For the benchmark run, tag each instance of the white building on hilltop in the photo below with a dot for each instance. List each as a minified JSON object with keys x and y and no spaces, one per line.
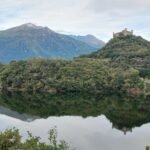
{"x":125,"y":32}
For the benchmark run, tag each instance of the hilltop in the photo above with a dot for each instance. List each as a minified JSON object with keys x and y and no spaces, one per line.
{"x":130,"y":50}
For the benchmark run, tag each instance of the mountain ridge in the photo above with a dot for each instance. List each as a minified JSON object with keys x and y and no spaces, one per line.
{"x":30,"y":41}
{"x":90,"y":39}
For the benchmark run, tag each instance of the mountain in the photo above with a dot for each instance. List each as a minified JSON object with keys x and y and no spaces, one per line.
{"x":127,"y":50}
{"x":90,"y":40}
{"x":28,"y":41}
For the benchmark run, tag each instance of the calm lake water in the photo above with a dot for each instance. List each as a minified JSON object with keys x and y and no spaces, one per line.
{"x":91,"y":132}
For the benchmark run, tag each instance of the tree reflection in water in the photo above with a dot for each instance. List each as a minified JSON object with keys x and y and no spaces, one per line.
{"x":125,"y":113}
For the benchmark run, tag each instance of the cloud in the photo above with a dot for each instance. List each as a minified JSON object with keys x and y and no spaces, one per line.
{"x":123,"y":5}
{"x":98,"y":17}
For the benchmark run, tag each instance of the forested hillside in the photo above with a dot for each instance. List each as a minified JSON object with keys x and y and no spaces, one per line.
{"x":126,"y":51}
{"x":122,"y":66}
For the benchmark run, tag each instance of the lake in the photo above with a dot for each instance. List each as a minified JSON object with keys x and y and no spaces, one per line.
{"x":85,"y":122}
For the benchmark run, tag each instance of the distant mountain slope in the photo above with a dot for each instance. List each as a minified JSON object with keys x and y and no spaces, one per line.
{"x":90,"y":40}
{"x":28,"y":41}
{"x":126,"y":50}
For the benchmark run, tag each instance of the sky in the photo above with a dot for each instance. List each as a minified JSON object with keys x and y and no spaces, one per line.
{"x":98,"y":17}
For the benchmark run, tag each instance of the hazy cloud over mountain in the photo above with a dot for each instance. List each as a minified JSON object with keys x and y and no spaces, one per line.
{"x":98,"y":17}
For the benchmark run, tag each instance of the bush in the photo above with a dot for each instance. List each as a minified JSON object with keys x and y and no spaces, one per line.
{"x":11,"y":140}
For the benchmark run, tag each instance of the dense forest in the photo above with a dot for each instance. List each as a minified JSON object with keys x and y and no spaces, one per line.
{"x":122,"y":66}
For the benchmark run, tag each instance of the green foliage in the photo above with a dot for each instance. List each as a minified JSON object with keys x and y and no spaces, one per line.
{"x":144,"y":72}
{"x":126,"y":51}
{"x":11,"y":140}
{"x":60,"y":76}
{"x":122,"y":66}
{"x":147,"y":148}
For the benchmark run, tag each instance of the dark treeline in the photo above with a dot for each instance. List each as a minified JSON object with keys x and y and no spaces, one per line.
{"x":79,"y":75}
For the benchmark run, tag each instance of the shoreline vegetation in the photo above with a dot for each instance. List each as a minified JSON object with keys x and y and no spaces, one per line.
{"x":11,"y":139}
{"x":147,"y":147}
{"x":122,"y":66}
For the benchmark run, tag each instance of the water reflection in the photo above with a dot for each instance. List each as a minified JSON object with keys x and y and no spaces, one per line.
{"x":15,"y":114}
{"x":125,"y":113}
{"x":91,"y":133}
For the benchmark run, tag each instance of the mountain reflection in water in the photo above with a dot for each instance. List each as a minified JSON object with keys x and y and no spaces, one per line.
{"x":123,"y":112}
